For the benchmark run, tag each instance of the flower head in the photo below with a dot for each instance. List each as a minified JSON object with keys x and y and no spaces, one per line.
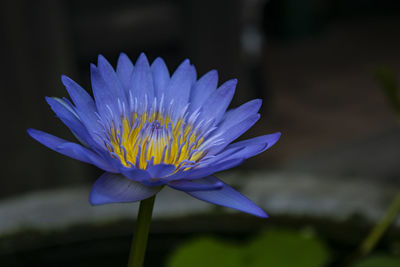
{"x":147,"y":129}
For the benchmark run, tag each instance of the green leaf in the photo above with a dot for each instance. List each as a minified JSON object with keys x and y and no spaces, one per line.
{"x":206,"y":252}
{"x":379,"y":261}
{"x":275,"y":248}
{"x":283,"y":248}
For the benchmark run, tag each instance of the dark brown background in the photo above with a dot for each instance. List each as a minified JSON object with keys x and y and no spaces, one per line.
{"x":312,"y":62}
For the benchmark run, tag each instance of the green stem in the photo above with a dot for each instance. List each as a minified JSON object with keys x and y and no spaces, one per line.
{"x":377,"y":232}
{"x":139,"y":241}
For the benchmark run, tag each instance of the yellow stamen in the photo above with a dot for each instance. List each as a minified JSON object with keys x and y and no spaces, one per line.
{"x":145,"y":136}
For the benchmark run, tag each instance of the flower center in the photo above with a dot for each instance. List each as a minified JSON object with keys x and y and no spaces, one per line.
{"x":153,"y":139}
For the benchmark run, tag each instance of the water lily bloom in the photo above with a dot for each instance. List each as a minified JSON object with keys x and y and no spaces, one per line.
{"x":148,"y":129}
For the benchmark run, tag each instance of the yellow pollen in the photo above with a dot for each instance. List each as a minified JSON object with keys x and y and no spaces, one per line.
{"x":145,"y":137}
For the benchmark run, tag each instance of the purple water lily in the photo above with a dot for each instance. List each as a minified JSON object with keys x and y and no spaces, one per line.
{"x":147,"y":129}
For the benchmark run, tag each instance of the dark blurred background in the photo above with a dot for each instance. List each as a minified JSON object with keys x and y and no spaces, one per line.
{"x":313,"y":62}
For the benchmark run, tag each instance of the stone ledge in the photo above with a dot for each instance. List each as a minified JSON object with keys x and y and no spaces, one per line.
{"x":279,"y":193}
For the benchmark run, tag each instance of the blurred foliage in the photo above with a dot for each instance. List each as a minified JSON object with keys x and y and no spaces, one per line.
{"x":278,"y":248}
{"x":287,"y":248}
{"x":207,"y":251}
{"x":387,"y":80}
{"x":379,"y":261}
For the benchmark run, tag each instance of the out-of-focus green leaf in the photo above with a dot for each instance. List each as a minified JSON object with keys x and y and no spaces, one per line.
{"x":379,"y":261}
{"x":206,"y":252}
{"x":275,"y":248}
{"x":387,"y":80}
{"x":287,"y":248}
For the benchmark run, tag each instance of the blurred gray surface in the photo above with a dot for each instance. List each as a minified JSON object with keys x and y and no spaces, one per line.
{"x":279,"y":193}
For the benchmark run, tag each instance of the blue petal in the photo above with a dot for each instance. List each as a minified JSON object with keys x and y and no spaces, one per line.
{"x":139,"y":175}
{"x":233,"y":116}
{"x":198,"y":185}
{"x":85,"y":106}
{"x":210,"y":160}
{"x":227,"y":197}
{"x":135,"y":174}
{"x":124,"y":71}
{"x":70,"y":149}
{"x":234,"y":132}
{"x":180,"y":84}
{"x":68,"y":102}
{"x":69,"y":117}
{"x":160,"y":77}
{"x":215,"y":167}
{"x":106,"y":99}
{"x":217,"y":103}
{"x":79,"y":96}
{"x":111,"y":78}
{"x":161,"y":170}
{"x":142,"y":80}
{"x":112,"y":84}
{"x":73,"y":149}
{"x":114,"y":188}
{"x":253,"y":146}
{"x":203,"y":88}
{"x":46,"y":139}
{"x":207,"y":170}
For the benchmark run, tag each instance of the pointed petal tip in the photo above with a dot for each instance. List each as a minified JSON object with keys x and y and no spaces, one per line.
{"x":142,"y":56}
{"x":100,"y":57}
{"x":44,"y":138}
{"x":227,"y":197}
{"x":64,"y":79}
{"x":275,"y":137}
{"x":257,"y":101}
{"x":93,"y":67}
{"x":185,"y":65}
{"x":50,"y":99}
{"x":34,"y":133}
{"x":103,"y":64}
{"x":142,"y":61}
{"x":233,"y":81}
{"x":31,"y":131}
{"x":160,"y":67}
{"x":95,"y":199}
{"x":262,"y":214}
{"x":67,"y":81}
{"x":92,"y":199}
{"x":213,"y":73}
{"x":37,"y":135}
{"x":158,"y":60}
{"x":229,"y":85}
{"x":124,"y":69}
{"x":123,"y":56}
